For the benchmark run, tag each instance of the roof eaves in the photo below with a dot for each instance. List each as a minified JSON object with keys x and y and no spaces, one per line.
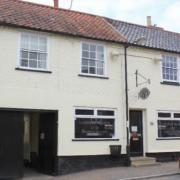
{"x":57,"y":32}
{"x":125,"y":39}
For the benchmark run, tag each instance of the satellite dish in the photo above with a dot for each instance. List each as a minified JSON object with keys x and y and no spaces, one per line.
{"x":144,"y":93}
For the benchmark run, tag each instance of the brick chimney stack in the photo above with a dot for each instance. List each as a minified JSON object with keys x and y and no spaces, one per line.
{"x":149,"y":22}
{"x":56,"y":4}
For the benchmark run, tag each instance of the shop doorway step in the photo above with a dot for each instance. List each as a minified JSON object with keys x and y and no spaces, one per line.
{"x":143,"y":161}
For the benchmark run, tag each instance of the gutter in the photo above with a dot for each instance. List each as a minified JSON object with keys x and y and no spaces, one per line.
{"x":124,"y":43}
{"x":128,"y":163}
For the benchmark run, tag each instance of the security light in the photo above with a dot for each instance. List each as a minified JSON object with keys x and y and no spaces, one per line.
{"x":140,"y":41}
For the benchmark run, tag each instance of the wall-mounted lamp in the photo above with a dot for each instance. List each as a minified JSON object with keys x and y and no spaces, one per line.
{"x":140,"y":41}
{"x":157,"y":60}
{"x":114,"y":55}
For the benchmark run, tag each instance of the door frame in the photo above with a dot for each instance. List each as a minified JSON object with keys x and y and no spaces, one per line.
{"x":56,"y":111}
{"x":144,"y":128}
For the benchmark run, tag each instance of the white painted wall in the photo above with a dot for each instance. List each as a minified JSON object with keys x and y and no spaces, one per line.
{"x":63,"y":89}
{"x":162,"y":97}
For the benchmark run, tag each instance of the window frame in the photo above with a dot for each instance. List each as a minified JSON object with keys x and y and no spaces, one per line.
{"x":95,"y":116}
{"x":171,"y":118}
{"x":105,"y":59}
{"x":19,"y":52}
{"x":178,"y":69}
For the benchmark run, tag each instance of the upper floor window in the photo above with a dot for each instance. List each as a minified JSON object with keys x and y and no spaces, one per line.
{"x":33,"y":51}
{"x":169,"y":68}
{"x":93,"y":62}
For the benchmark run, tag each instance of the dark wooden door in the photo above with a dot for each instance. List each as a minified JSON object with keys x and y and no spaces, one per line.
{"x":11,"y":144}
{"x":48,"y":143}
{"x":136,"y":133}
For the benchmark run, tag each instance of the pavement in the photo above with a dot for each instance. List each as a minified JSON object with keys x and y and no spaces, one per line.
{"x":176,"y":177}
{"x":163,"y":171}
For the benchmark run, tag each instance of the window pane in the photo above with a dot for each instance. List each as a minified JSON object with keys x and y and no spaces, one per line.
{"x":42,"y":48}
{"x":100,"y":71}
{"x":92,"y":70}
{"x":85,"y":47}
{"x":176,"y":115}
{"x":105,"y":113}
{"x":171,"y":64}
{"x":175,"y":74}
{"x":24,"y":62}
{"x":84,"y":69}
{"x":33,"y":55}
{"x":43,"y":44}
{"x":42,"y":56}
{"x":164,"y":76}
{"x":34,"y":43}
{"x":100,"y":56}
{"x":164,"y":70}
{"x":33,"y":64}
{"x":100,"y":49}
{"x":100,"y":64}
{"x":92,"y":63}
{"x":84,"y":112}
{"x":92,"y":55}
{"x":42,"y":64}
{"x":94,"y":128}
{"x":84,"y":62}
{"x":24,"y":41}
{"x":92,"y":47}
{"x":164,"y":114}
{"x":85,"y":54}
{"x":24,"y":54}
{"x":169,"y":128}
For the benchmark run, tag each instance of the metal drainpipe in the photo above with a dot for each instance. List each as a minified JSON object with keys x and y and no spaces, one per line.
{"x":128,"y":163}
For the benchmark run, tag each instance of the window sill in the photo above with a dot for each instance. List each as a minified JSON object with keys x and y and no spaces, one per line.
{"x":103,"y":139}
{"x":170,"y":138}
{"x":93,"y":76}
{"x":170,"y":83}
{"x":32,"y":70}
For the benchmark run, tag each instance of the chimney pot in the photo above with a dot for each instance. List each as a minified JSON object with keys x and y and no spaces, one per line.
{"x":56,"y":4}
{"x":149,"y":22}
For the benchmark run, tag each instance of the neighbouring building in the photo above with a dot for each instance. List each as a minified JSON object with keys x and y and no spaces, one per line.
{"x":63,"y":102}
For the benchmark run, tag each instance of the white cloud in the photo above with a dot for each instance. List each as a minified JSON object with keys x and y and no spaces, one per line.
{"x":165,"y":13}
{"x":171,"y":17}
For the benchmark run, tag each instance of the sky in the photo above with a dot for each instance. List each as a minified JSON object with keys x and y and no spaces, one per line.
{"x":164,"y":13}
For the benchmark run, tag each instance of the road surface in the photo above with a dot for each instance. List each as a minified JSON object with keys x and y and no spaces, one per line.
{"x":176,"y":177}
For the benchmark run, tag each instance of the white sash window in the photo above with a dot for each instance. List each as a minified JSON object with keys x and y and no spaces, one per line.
{"x":33,"y":51}
{"x":170,"y":68}
{"x":93,"y":59}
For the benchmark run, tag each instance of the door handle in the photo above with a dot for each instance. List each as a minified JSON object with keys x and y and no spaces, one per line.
{"x":42,"y":136}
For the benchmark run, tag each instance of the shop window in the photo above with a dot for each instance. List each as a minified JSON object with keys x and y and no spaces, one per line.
{"x":168,"y":126}
{"x":96,"y":123}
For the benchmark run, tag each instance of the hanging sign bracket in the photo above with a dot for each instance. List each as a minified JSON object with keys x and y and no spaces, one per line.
{"x":145,"y":80}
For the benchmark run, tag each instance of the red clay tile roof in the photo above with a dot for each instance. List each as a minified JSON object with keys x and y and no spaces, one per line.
{"x":46,"y":18}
